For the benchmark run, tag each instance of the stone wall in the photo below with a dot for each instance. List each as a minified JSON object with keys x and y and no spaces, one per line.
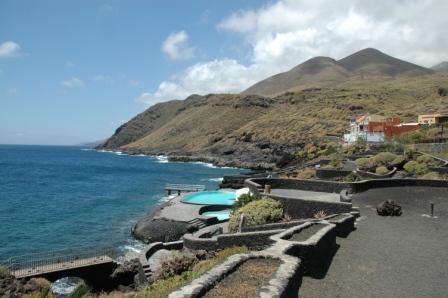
{"x":331,"y":173}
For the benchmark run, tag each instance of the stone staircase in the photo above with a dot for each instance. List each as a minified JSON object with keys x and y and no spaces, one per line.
{"x":147,"y":271}
{"x":197,"y":222}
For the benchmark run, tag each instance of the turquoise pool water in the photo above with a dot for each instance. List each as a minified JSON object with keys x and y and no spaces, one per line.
{"x":210,"y":198}
{"x":221,"y":215}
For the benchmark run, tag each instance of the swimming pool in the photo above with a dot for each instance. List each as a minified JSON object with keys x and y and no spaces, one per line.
{"x":210,"y":198}
{"x":221,"y":215}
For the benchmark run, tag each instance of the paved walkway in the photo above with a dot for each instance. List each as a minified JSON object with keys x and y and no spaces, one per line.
{"x":306,"y":195}
{"x":404,"y":256}
{"x":176,"y":210}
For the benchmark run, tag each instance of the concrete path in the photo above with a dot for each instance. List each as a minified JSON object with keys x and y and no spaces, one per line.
{"x":305,"y":194}
{"x":176,"y":210}
{"x":404,"y":256}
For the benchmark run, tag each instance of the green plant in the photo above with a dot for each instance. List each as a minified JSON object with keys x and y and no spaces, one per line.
{"x":336,"y":161}
{"x":432,"y":176}
{"x":416,"y":168}
{"x":176,"y":265}
{"x":162,"y":287}
{"x":383,"y":159}
{"x":245,"y":199}
{"x":258,"y":212}
{"x":363,"y":163}
{"x":81,"y":290}
{"x":352,"y":177}
{"x":398,"y":161}
{"x":4,"y":272}
{"x":431,"y":162}
{"x":381,"y":170}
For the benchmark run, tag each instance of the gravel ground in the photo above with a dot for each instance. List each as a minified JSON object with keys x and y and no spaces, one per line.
{"x":246,"y":281}
{"x":404,"y":256}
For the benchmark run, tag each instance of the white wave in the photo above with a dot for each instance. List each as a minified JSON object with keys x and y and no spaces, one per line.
{"x":213,"y":179}
{"x":65,"y":286}
{"x":88,"y":149}
{"x":162,"y":158}
{"x":167,"y":198}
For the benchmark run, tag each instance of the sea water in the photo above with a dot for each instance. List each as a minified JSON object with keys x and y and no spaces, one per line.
{"x":59,"y":197}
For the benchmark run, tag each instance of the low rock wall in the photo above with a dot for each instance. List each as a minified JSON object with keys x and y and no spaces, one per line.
{"x":253,"y":240}
{"x":284,"y":283}
{"x":331,"y":173}
{"x":257,"y":185}
{"x":303,"y":208}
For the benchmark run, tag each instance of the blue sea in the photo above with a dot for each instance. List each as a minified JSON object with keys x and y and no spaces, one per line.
{"x":59,"y":197}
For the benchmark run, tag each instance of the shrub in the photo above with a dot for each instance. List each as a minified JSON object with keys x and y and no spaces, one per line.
{"x":176,"y":265}
{"x":4,"y":272}
{"x":245,"y":199}
{"x":384,"y":159}
{"x":352,"y":177}
{"x":258,"y":212}
{"x":416,"y":168}
{"x":399,"y":160}
{"x":307,"y":173}
{"x":431,"y":176}
{"x":81,"y":290}
{"x":428,"y":160}
{"x":381,"y":170}
{"x":319,"y":214}
{"x":336,"y":161}
{"x":363,"y":163}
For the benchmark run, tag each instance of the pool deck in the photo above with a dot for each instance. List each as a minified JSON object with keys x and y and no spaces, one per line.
{"x":405,"y":256}
{"x":178,"y":211}
{"x":306,"y":195}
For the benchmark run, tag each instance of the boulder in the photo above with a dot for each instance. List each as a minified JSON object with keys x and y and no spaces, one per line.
{"x":388,"y":208}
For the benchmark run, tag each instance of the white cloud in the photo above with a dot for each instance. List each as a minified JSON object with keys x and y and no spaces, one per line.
{"x":73,"y":83}
{"x":176,"y":46}
{"x":9,"y":49}
{"x":284,"y":33}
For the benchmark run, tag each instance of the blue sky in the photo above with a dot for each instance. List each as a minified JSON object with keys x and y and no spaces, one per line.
{"x":73,"y":71}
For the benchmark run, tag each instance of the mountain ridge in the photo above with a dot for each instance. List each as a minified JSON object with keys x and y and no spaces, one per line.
{"x":366,"y":62}
{"x":258,"y":131}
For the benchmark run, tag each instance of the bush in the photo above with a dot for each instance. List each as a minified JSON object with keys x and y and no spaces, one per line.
{"x":384,"y":159}
{"x":176,"y":265}
{"x":416,"y":168}
{"x":381,"y":170}
{"x":431,"y":176}
{"x":363,"y":163}
{"x":428,"y":160}
{"x":307,"y":173}
{"x":398,"y":161}
{"x":245,"y":199}
{"x":81,"y":290}
{"x":352,"y":177}
{"x":258,"y":212}
{"x":336,"y":161}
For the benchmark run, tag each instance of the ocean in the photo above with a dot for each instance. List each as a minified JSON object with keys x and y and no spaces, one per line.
{"x":60,"y":197}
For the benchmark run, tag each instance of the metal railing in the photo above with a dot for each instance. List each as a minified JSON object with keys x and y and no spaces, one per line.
{"x":184,"y":187}
{"x":35,"y":264}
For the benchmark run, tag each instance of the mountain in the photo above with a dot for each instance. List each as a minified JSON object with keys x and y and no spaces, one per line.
{"x":314,"y":70}
{"x":259,"y":131}
{"x":324,"y":71}
{"x":441,"y":66}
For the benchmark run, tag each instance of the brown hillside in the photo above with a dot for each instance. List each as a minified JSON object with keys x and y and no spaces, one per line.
{"x":326,"y":72}
{"x":257,"y":131}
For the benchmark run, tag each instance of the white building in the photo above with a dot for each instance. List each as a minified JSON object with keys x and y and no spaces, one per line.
{"x":359,"y":129}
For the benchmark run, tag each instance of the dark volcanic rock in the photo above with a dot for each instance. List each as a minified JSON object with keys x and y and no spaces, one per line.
{"x":124,"y":273}
{"x":388,"y":208}
{"x":150,"y":230}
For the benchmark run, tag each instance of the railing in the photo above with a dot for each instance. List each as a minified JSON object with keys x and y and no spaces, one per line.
{"x":34,"y":264}
{"x":185,"y":187}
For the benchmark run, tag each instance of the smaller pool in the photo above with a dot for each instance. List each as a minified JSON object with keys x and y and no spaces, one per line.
{"x":210,"y":198}
{"x":221,"y":215}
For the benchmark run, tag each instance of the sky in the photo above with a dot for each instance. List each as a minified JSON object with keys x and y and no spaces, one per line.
{"x":73,"y":71}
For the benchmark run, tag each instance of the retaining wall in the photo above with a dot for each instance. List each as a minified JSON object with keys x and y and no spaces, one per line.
{"x":257,"y":185}
{"x":284,"y":283}
{"x":331,"y":173}
{"x":254,"y":240}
